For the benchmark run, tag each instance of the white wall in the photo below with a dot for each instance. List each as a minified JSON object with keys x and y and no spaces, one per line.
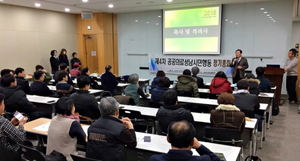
{"x":28,"y":35}
{"x":255,"y":34}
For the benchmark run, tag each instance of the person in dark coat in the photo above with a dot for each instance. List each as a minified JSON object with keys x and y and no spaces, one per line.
{"x":21,"y":82}
{"x":62,"y":87}
{"x":75,"y":60}
{"x":159,"y":75}
{"x":265,"y":84}
{"x":86,"y":72}
{"x":171,"y":111}
{"x":109,"y":80}
{"x":253,"y":83}
{"x":6,"y":71}
{"x":63,"y":57}
{"x":38,"y":87}
{"x":200,"y":82}
{"x":220,"y":84}
{"x":63,"y":67}
{"x":54,"y":62}
{"x":158,"y":92}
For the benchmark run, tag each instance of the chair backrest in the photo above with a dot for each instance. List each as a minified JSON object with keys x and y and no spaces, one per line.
{"x":31,"y":154}
{"x":81,"y":158}
{"x":126,"y":100}
{"x":248,"y":113}
{"x":130,"y":114}
{"x":155,"y":104}
{"x":223,"y":136}
{"x":185,"y":93}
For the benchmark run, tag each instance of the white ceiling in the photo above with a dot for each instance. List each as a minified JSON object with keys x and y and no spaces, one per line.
{"x":77,"y":6}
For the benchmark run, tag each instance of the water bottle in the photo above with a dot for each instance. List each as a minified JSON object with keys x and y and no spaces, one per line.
{"x":147,"y":89}
{"x":174,"y":83}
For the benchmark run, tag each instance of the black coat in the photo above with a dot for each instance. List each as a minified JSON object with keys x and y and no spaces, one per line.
{"x":63,"y":59}
{"x":21,"y":82}
{"x":199,"y":80}
{"x":75,"y":60}
{"x":40,"y":88}
{"x":109,"y":81}
{"x":54,"y":64}
{"x":247,"y":101}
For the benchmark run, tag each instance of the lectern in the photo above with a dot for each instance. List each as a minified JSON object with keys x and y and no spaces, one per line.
{"x":275,"y":75}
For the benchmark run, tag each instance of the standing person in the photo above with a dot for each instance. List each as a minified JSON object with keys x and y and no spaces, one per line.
{"x":239,"y":64}
{"x":291,"y":67}
{"x":63,"y":58}
{"x":109,"y":80}
{"x":54,"y":61}
{"x":75,"y":60}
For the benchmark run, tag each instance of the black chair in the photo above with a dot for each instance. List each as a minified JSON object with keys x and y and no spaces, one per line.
{"x":9,"y":154}
{"x":31,"y":154}
{"x":184,"y":93}
{"x":155,"y":104}
{"x":81,"y":158}
{"x":213,"y":95}
{"x":102,"y":87}
{"x":126,"y":100}
{"x":248,"y":113}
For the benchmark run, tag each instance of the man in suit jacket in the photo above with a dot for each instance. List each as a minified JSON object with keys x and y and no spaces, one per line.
{"x":239,"y":64}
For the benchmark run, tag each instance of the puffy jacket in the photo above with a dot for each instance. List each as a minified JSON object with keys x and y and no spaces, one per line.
{"x":254,"y":86}
{"x":109,"y":81}
{"x":220,"y":85}
{"x":154,"y":83}
{"x":157,"y":94}
{"x":188,"y":84}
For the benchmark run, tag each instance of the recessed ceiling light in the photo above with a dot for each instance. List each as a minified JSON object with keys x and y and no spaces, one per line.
{"x":169,"y":0}
{"x":136,"y":20}
{"x":85,"y":0}
{"x":262,"y":9}
{"x":274,"y":21}
{"x":37,"y":5}
{"x":157,"y":23}
{"x":236,"y":23}
{"x":265,"y":12}
{"x":111,"y":6}
{"x":226,"y":19}
{"x":147,"y":22}
{"x":268,"y":15}
{"x":231,"y":21}
{"x":1,"y":0}
{"x":159,"y":16}
{"x":67,"y":9}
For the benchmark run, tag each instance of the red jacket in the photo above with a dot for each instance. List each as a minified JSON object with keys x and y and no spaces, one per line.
{"x":220,"y":85}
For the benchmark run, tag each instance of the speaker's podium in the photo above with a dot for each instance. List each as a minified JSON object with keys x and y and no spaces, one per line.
{"x":275,"y":75}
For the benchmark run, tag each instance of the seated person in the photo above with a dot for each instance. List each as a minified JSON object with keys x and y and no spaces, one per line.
{"x":38,"y":87}
{"x":108,"y":136}
{"x":48,"y":77}
{"x":265,"y":84}
{"x":171,"y":111}
{"x":200,"y":82}
{"x":220,"y":84}
{"x":158,"y":92}
{"x":181,"y":136}
{"x":65,"y":130}
{"x":9,"y":134}
{"x":227,"y":115}
{"x":62,"y":87}
{"x":63,"y":67}
{"x":15,"y":99}
{"x":187,"y":83}
{"x":253,"y":83}
{"x":86,"y":72}
{"x":86,"y":104}
{"x":159,"y":75}
{"x":21,"y":82}
{"x":75,"y":72}
{"x":109,"y":80}
{"x":134,"y":90}
{"x":6,"y":71}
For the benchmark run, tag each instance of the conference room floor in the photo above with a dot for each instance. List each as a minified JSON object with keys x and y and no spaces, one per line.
{"x":283,"y":137}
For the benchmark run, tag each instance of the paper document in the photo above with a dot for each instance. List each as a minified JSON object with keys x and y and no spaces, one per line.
{"x":44,"y":127}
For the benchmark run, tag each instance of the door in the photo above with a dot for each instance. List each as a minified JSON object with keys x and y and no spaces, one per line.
{"x":91,"y":52}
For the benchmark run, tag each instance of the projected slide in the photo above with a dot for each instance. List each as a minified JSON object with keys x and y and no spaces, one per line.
{"x":192,"y":31}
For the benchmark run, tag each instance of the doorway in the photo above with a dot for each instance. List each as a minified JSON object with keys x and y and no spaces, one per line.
{"x":91,"y":52}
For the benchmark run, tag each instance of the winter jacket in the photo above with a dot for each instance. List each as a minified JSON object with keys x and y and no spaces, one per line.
{"x":188,"y":84}
{"x":227,"y":116}
{"x":220,"y":85}
{"x":154,"y":83}
{"x":254,"y":86}
{"x":199,"y":80}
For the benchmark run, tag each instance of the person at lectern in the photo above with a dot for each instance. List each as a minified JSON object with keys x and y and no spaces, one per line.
{"x":239,"y":64}
{"x":291,"y":68}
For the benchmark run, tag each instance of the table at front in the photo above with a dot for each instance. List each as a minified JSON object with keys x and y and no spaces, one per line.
{"x":157,"y":145}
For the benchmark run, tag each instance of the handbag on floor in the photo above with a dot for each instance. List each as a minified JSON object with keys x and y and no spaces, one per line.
{"x":252,"y":158}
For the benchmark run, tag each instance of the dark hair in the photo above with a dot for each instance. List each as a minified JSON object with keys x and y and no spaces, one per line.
{"x":63,"y":66}
{"x":107,"y":68}
{"x":181,"y":134}
{"x":64,"y":106}
{"x":7,"y":79}
{"x":160,"y":73}
{"x":5,"y":71}
{"x":84,"y":71}
{"x":164,"y":82}
{"x":294,"y":51}
{"x":82,"y":81}
{"x":226,"y":98}
{"x":52,"y":52}
{"x":61,"y":75}
{"x":221,"y":74}
{"x":74,"y":53}
{"x":38,"y":74}
{"x":2,"y":97}
{"x":18,"y":70}
{"x":242,"y":84}
{"x":239,"y":51}
{"x":170,"y":97}
{"x":249,"y":76}
{"x":260,"y":71}
{"x":62,"y":51}
{"x":38,"y":67}
{"x":186,"y":72}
